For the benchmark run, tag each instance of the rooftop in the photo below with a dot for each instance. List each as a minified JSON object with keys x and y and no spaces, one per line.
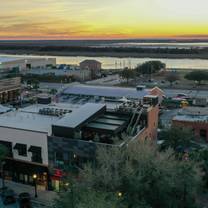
{"x":117,"y":92}
{"x":76,"y":118}
{"x":189,"y":118}
{"x":8,"y":59}
{"x":90,"y":61}
{"x":198,"y":111}
{"x":193,"y":114}
{"x":27,"y":121}
{"x":29,"y":118}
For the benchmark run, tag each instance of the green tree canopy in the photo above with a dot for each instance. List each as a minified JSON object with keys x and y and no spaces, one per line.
{"x":138,"y":176}
{"x":127,"y":74}
{"x":172,"y":77}
{"x":197,"y":75}
{"x":150,"y":67}
{"x":176,"y":138}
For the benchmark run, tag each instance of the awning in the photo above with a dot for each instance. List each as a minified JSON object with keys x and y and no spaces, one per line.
{"x":34,"y":149}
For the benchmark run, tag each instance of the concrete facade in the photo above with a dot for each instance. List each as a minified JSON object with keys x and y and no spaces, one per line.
{"x":9,"y":89}
{"x":29,"y":138}
{"x":25,"y":63}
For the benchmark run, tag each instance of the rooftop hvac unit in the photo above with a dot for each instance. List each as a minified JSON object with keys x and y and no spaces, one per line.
{"x":140,"y":87}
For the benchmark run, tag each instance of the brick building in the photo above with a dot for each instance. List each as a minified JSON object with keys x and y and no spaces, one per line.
{"x":92,"y":65}
{"x":9,"y":89}
{"x":195,"y":118}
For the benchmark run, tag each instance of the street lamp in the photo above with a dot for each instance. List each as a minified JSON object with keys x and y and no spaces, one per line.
{"x":35,"y":182}
{"x":120,"y":194}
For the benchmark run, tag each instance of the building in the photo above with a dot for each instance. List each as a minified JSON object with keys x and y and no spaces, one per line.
{"x":8,"y":63}
{"x":53,"y":139}
{"x":194,"y":118}
{"x":25,"y":134}
{"x":76,"y":137}
{"x":77,"y":74}
{"x":92,"y":65}
{"x":9,"y":89}
{"x":106,"y":93}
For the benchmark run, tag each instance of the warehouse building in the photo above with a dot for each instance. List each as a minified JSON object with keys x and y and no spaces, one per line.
{"x":21,"y":63}
{"x":80,"y":93}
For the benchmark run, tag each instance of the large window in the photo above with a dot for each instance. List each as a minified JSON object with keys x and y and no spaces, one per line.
{"x":8,"y":146}
{"x":36,"y":154}
{"x":203,"y":133}
{"x":21,"y":148}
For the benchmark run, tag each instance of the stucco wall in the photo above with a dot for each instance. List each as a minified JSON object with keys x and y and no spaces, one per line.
{"x":25,"y":137}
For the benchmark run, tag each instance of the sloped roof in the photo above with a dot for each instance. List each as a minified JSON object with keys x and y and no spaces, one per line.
{"x":90,"y":61}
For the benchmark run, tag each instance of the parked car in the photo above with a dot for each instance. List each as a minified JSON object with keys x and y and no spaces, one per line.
{"x":182,"y":95}
{"x":8,"y":197}
{"x":25,"y":200}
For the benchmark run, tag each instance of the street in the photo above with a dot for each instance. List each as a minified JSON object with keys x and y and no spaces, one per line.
{"x":44,"y":200}
{"x":191,"y":93}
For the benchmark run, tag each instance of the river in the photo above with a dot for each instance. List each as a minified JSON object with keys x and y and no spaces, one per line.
{"x":113,"y":63}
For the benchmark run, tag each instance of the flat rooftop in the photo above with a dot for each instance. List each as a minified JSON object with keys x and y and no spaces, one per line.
{"x":197,"y":111}
{"x":109,"y":123}
{"x":29,"y":118}
{"x":189,"y":118}
{"x":27,"y":121}
{"x":193,"y":114}
{"x":103,"y":91}
{"x":77,"y":117}
{"x":4,"y":59}
{"x":37,"y":107}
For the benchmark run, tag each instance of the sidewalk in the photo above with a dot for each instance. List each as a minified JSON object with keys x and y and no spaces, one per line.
{"x":45,"y":198}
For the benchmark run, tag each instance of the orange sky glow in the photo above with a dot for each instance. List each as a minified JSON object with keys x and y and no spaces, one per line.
{"x":109,"y":19}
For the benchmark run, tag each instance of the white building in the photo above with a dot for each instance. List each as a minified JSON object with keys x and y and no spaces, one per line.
{"x":7,"y":63}
{"x":24,"y":132}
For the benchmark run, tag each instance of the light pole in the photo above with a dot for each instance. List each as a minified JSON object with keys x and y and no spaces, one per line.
{"x":35,"y":183}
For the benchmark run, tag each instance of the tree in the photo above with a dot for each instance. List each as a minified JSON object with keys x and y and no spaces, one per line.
{"x":201,"y":156}
{"x":138,"y":176}
{"x":197,"y":75}
{"x":172,"y":77}
{"x":53,"y":91}
{"x":150,"y":67}
{"x":127,"y":74}
{"x":176,"y":138}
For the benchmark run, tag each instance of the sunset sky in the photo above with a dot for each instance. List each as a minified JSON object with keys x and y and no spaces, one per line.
{"x":107,"y":19}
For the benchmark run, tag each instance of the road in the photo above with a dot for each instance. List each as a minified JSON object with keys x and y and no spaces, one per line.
{"x":191,"y":93}
{"x":45,"y":199}
{"x":110,"y":80}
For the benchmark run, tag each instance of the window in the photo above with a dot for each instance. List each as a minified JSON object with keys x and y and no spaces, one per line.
{"x":203,"y":133}
{"x":8,"y":146}
{"x":36,"y":154}
{"x":59,"y":156}
{"x":21,"y":148}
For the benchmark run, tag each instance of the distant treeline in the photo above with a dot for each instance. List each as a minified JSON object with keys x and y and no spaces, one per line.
{"x":70,"y":49}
